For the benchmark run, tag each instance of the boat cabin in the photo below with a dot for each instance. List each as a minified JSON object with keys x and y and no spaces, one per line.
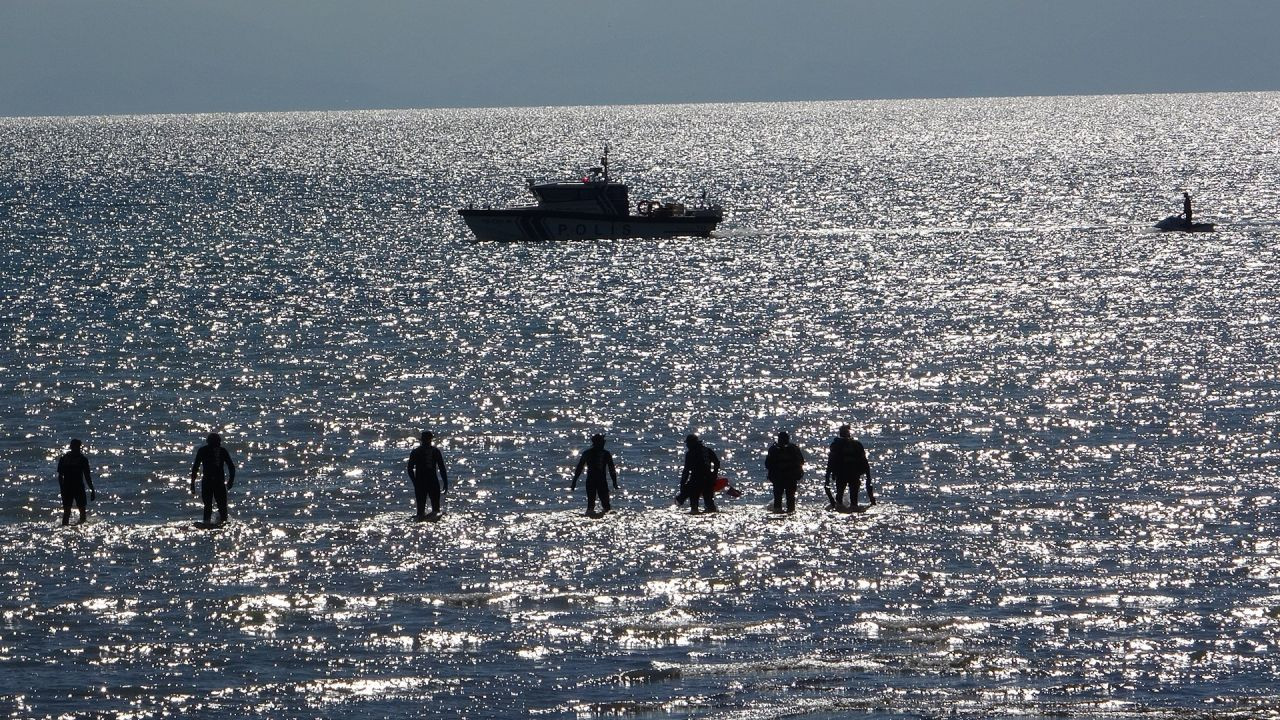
{"x":589,"y":196}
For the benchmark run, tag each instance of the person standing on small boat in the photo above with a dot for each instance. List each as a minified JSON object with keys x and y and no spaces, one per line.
{"x":785,"y":465}
{"x":847,"y":462}
{"x":598,"y":463}
{"x":698,"y":477}
{"x":73,"y":476}
{"x":214,"y":483}
{"x":1186,"y":206}
{"x":424,"y":462}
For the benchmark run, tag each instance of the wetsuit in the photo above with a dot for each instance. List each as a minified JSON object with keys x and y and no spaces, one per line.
{"x":1186,"y":207}
{"x":598,"y":463}
{"x":213,"y":482}
{"x":785,"y":464}
{"x":73,"y":475}
{"x":847,"y":462}
{"x":424,"y":461}
{"x":698,"y":477}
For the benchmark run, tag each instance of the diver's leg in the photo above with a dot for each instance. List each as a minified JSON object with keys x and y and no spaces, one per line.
{"x":220,"y":495}
{"x":66,"y":507}
{"x":206,"y":494}
{"x":777,"y":496}
{"x":709,"y":494}
{"x":81,"y":502}
{"x":591,"y":496}
{"x":604,"y":496}
{"x":791,"y":496}
{"x":420,"y":497}
{"x":842,"y":482}
{"x":433,"y":491}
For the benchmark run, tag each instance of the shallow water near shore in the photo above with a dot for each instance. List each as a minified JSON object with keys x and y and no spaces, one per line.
{"x":1071,"y":419}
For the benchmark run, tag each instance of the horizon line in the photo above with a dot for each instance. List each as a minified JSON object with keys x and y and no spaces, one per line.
{"x":302,"y":111}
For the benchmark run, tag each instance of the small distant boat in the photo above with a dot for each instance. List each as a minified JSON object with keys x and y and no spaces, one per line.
{"x":593,"y":208}
{"x":1183,"y":223}
{"x":1178,"y":223}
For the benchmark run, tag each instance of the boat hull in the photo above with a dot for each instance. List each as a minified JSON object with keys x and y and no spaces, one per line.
{"x":538,"y":225}
{"x":1177,"y":223}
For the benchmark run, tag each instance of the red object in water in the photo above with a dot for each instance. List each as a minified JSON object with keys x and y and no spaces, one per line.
{"x":720,"y":484}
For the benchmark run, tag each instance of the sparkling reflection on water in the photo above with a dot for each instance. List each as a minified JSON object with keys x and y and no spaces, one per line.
{"x":1073,"y":420}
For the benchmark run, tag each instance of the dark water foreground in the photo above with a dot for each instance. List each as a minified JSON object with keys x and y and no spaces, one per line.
{"x":1073,"y":419}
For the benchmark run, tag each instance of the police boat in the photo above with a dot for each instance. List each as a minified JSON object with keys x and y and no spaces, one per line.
{"x":592,"y":208}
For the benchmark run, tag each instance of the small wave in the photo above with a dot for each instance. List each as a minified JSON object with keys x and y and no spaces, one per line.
{"x":664,"y":670}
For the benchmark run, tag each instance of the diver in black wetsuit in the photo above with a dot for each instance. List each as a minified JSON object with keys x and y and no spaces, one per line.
{"x":73,"y":475}
{"x":698,"y":477}
{"x":214,"y":484}
{"x":1186,"y":207}
{"x":847,"y":461}
{"x":597,"y":462}
{"x":785,"y":464}
{"x":424,"y":461}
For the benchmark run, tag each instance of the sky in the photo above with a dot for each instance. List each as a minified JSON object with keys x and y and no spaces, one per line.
{"x":89,"y":57}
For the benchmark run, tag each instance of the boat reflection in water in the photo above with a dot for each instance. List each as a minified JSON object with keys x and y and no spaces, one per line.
{"x":592,"y":208}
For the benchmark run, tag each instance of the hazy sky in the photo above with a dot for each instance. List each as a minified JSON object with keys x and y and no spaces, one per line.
{"x":61,"y":57}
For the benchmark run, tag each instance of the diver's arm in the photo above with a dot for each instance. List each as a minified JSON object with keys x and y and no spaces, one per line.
{"x":577,"y":473}
{"x":231,"y":476}
{"x":444,"y":474}
{"x":88,"y":479}
{"x":412,"y":464}
{"x":715,"y":462}
{"x":826,"y":478}
{"x":195,"y":466}
{"x":613,"y":470}
{"x":870,"y":493}
{"x":684,"y":474}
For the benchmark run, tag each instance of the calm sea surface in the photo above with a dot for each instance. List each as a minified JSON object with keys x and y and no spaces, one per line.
{"x":1072,"y":420}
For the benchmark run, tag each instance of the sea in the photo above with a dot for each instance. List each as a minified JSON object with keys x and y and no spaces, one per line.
{"x":1071,"y":419}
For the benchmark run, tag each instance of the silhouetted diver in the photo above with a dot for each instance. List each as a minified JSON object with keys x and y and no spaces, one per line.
{"x":73,"y":475}
{"x":424,"y":462}
{"x":214,"y":484}
{"x":847,"y":461}
{"x":698,"y":477}
{"x":785,"y":465}
{"x":1186,"y":206}
{"x":598,"y":463}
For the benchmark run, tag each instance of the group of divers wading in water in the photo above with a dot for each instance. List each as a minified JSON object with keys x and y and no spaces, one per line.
{"x":700,"y":478}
